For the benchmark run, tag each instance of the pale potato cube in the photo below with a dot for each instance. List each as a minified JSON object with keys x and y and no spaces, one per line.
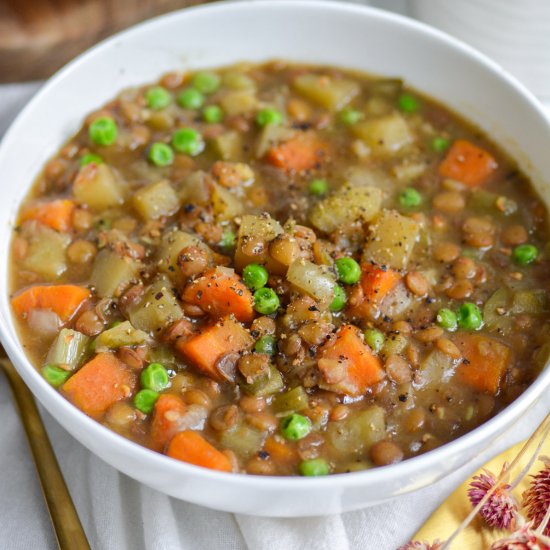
{"x":229,"y":146}
{"x":239,"y":102}
{"x":384,"y":135}
{"x":225,"y":204}
{"x":46,"y":253}
{"x":111,"y":273}
{"x":331,"y":93}
{"x":347,"y":205}
{"x":97,"y":187}
{"x":392,"y":239}
{"x":156,"y":200}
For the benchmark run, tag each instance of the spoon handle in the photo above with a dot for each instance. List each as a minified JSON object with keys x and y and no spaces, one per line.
{"x":68,"y":529}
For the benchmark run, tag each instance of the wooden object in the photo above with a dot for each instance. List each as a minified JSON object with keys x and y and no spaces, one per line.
{"x":37,"y":37}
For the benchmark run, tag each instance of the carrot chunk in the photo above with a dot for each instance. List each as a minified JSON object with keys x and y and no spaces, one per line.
{"x":220,"y":292}
{"x":167,"y":416}
{"x":299,"y":153}
{"x":348,"y":364}
{"x":61,"y":299}
{"x":376,"y":283}
{"x":99,"y":384}
{"x":486,"y":362}
{"x":207,"y":348}
{"x":189,"y":446}
{"x":280,"y":451}
{"x":467,"y":163}
{"x":56,"y":214}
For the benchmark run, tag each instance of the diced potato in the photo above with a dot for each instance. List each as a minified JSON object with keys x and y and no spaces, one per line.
{"x":407,"y":172}
{"x":243,"y":440}
{"x":392,"y":239}
{"x":270,"y":136}
{"x":384,"y":135}
{"x":229,"y":146}
{"x":171,"y":245}
{"x":395,"y":343}
{"x":238,"y":102}
{"x":111,"y":273}
{"x":97,"y":187}
{"x":368,"y":176}
{"x":197,"y":188}
{"x":436,"y":368}
{"x":359,"y":431}
{"x":331,"y":93}
{"x":262,"y":229}
{"x":531,"y":302}
{"x":46,"y":253}
{"x":156,"y":200}
{"x":347,"y":205}
{"x":316,"y":280}
{"x":396,"y":304}
{"x":157,"y":309}
{"x":123,"y":334}
{"x":238,"y":81}
{"x":225,"y":204}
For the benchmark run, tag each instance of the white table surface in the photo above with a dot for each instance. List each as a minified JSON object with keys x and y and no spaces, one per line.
{"x":121,"y":514}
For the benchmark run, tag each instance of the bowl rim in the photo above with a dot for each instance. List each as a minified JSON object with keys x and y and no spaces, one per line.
{"x":409,"y":467}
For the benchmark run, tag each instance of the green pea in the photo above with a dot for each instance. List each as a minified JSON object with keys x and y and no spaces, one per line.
{"x":314,"y":467}
{"x":350,"y":116}
{"x":266,"y":344}
{"x":191,"y":99}
{"x":339,"y":301}
{"x":295,"y":426}
{"x":447,"y":319}
{"x":161,"y":154}
{"x":469,"y":317}
{"x":88,"y":158}
{"x":266,"y":301}
{"x":206,"y":82}
{"x":55,"y":376}
{"x":375,"y":339}
{"x":103,"y":131}
{"x":188,"y":141}
{"x":408,"y":103}
{"x":255,"y":276}
{"x":525,"y":254}
{"x":318,"y":187}
{"x":212,"y":113}
{"x":269,"y":116}
{"x":228,"y":239}
{"x":145,"y":400}
{"x":348,"y":270}
{"x":410,"y":197}
{"x":440,"y":144}
{"x":154,"y":377}
{"x":158,"y":98}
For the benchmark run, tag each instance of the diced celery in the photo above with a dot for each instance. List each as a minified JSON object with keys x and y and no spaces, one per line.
{"x":46,"y":253}
{"x":531,"y":302}
{"x":156,"y":200}
{"x":496,"y":311}
{"x":268,"y":384}
{"x":392,"y":239}
{"x":243,"y":440}
{"x":68,"y":349}
{"x":123,"y":334}
{"x":161,"y":354}
{"x":359,"y":431}
{"x":331,"y":93}
{"x":294,"y":400}
{"x":395,"y":343}
{"x":97,"y":187}
{"x":157,"y":309}
{"x":112,"y":273}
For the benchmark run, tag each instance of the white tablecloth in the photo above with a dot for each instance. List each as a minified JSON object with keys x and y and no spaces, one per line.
{"x":121,"y":514}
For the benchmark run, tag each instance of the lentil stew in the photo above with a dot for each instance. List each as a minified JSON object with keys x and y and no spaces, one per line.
{"x":282,"y":269}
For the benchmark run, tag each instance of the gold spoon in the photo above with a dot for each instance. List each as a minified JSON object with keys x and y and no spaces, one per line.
{"x":66,"y":523}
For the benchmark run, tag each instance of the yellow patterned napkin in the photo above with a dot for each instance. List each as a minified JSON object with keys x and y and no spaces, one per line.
{"x":443,"y":522}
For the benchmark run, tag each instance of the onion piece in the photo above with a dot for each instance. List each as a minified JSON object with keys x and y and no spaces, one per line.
{"x":44,"y":321}
{"x":315,"y":280}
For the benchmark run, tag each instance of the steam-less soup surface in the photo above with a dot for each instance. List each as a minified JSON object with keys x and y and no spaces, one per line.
{"x":282,"y":269}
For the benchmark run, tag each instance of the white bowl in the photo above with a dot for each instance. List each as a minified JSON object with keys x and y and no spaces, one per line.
{"x":318,"y":32}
